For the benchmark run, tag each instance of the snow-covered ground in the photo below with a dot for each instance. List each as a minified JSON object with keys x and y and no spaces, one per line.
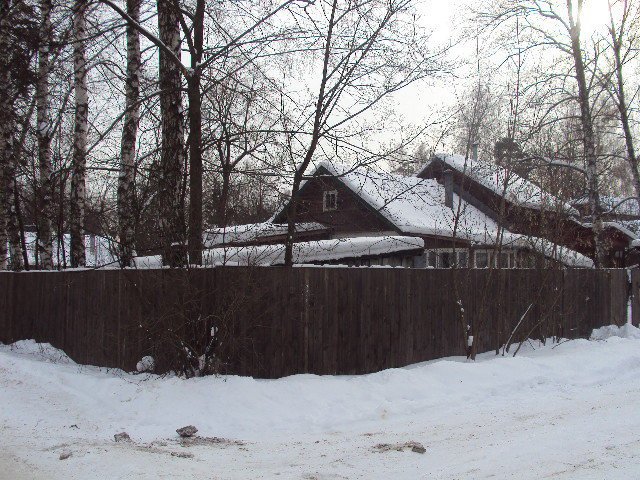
{"x":567,"y":412}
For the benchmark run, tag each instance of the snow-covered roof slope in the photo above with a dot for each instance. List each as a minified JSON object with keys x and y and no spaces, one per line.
{"x":99,"y":250}
{"x":518,"y":190}
{"x":252,"y":231}
{"x":303,"y":252}
{"x":619,"y":205}
{"x":411,"y":204}
{"x":543,"y":246}
{"x":628,"y":228}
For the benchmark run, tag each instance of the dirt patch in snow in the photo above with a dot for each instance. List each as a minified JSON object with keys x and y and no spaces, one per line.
{"x":209,"y":441}
{"x":415,"y":447}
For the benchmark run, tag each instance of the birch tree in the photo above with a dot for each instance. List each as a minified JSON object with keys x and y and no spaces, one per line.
{"x":555,"y":27}
{"x":18,"y":45}
{"x":574,"y":13}
{"x":44,"y":132}
{"x":126,"y":178}
{"x":78,"y":176}
{"x":192,"y":24}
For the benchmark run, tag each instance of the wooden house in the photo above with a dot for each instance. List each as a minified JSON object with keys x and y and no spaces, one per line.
{"x":467,"y":213}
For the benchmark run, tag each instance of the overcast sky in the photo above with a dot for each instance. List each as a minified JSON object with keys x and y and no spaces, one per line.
{"x":423,"y":101}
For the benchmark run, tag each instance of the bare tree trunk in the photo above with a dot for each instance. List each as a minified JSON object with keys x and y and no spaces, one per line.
{"x":588,"y":134}
{"x":315,"y":138}
{"x":78,"y":176}
{"x":221,"y":219}
{"x":126,"y":180}
{"x":44,"y":131}
{"x":172,"y":151}
{"x":4,"y":242}
{"x":195,"y":137}
{"x":17,"y":156}
{"x":6,"y":126}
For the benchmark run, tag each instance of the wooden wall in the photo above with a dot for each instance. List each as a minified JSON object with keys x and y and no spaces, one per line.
{"x":274,"y":322}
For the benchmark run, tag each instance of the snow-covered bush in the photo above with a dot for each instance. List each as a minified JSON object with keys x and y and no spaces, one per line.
{"x":147,"y":364}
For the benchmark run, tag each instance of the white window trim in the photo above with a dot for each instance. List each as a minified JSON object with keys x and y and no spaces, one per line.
{"x":458,"y":251}
{"x":493,"y":258}
{"x":325,"y":195}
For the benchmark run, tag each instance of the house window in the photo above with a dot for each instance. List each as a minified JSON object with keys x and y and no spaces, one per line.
{"x":447,"y":258}
{"x":463,"y":259}
{"x":526,"y":260}
{"x":330,"y":201}
{"x":486,"y":258}
{"x":482,"y":259}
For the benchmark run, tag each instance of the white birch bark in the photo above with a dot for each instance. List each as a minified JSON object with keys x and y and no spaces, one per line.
{"x":126,"y":179}
{"x":11,"y":256}
{"x":587,"y":133}
{"x":10,"y":218}
{"x":43,"y":133}
{"x":78,"y":175}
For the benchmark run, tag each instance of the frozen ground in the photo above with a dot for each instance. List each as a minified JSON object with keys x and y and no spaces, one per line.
{"x":563,"y":413}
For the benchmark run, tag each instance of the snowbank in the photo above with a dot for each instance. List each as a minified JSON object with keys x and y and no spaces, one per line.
{"x":541,"y":414}
{"x":625,"y":331}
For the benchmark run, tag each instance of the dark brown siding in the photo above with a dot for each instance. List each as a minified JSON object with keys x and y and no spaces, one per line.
{"x":352,"y":214}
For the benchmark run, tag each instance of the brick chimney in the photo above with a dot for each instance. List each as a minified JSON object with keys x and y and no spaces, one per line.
{"x":447,"y":177}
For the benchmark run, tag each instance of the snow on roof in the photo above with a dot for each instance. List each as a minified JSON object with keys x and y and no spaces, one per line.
{"x":631,"y":225}
{"x":518,"y":190}
{"x":413,"y":205}
{"x":627,"y":228}
{"x":562,"y":254}
{"x":99,"y":250}
{"x":303,"y":252}
{"x":628,"y":206}
{"x":543,"y":246}
{"x":252,"y":231}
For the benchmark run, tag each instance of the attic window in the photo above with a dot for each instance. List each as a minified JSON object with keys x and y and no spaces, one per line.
{"x":330,"y":201}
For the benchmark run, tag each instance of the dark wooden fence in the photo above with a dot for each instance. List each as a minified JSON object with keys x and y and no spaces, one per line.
{"x":273,"y":322}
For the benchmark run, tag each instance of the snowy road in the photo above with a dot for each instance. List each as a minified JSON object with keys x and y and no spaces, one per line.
{"x":563,"y":413}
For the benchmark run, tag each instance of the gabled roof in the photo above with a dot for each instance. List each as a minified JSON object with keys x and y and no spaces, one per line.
{"x":412,"y":205}
{"x":499,"y":180}
{"x":417,"y":206}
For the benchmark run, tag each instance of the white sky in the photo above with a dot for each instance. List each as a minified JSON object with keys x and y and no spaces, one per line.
{"x":422,"y":101}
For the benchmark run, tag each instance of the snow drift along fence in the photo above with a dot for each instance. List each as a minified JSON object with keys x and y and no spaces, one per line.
{"x":273,"y":322}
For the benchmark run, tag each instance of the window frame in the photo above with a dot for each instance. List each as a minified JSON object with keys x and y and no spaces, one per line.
{"x":326,"y":195}
{"x":455,"y":255}
{"x":494,"y":258}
